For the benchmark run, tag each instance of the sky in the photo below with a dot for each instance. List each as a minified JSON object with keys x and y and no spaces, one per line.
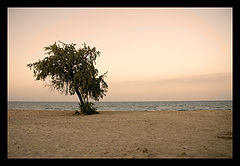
{"x":151,"y":54}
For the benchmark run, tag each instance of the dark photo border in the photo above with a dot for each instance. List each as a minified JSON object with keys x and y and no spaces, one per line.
{"x":5,"y":4}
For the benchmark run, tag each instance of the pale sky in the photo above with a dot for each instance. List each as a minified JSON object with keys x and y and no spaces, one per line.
{"x":151,"y":54}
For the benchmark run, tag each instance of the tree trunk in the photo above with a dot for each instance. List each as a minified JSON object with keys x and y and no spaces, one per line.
{"x":79,"y":96}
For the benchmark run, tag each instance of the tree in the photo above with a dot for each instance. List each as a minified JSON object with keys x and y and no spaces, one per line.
{"x":72,"y":71}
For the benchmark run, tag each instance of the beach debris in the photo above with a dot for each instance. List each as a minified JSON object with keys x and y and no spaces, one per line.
{"x":145,"y":150}
{"x":105,"y":152}
{"x":183,"y":154}
{"x":226,"y":136}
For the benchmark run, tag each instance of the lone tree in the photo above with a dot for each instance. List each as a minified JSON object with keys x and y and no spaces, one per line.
{"x":72,"y":71}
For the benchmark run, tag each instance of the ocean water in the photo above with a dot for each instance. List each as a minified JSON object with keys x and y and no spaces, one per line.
{"x":129,"y":106}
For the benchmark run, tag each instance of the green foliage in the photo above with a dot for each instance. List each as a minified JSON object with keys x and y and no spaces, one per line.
{"x":72,"y":71}
{"x":87,"y":108}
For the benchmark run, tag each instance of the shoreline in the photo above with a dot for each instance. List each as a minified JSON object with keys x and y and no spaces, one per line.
{"x":120,"y":134}
{"x":122,"y":110}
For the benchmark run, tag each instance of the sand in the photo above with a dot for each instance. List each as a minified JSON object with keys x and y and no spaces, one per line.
{"x":120,"y":134}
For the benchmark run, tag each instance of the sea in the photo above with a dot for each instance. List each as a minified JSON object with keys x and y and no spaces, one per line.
{"x":126,"y":106}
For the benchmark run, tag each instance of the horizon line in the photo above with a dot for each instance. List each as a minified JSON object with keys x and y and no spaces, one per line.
{"x":124,"y":100}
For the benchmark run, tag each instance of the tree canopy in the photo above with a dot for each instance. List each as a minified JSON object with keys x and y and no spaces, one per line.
{"x":72,"y":71}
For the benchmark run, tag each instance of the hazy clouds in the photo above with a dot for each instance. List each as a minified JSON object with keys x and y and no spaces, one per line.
{"x":150,"y":54}
{"x":201,"y":87}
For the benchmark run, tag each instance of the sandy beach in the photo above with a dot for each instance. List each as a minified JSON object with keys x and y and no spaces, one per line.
{"x":120,"y":134}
